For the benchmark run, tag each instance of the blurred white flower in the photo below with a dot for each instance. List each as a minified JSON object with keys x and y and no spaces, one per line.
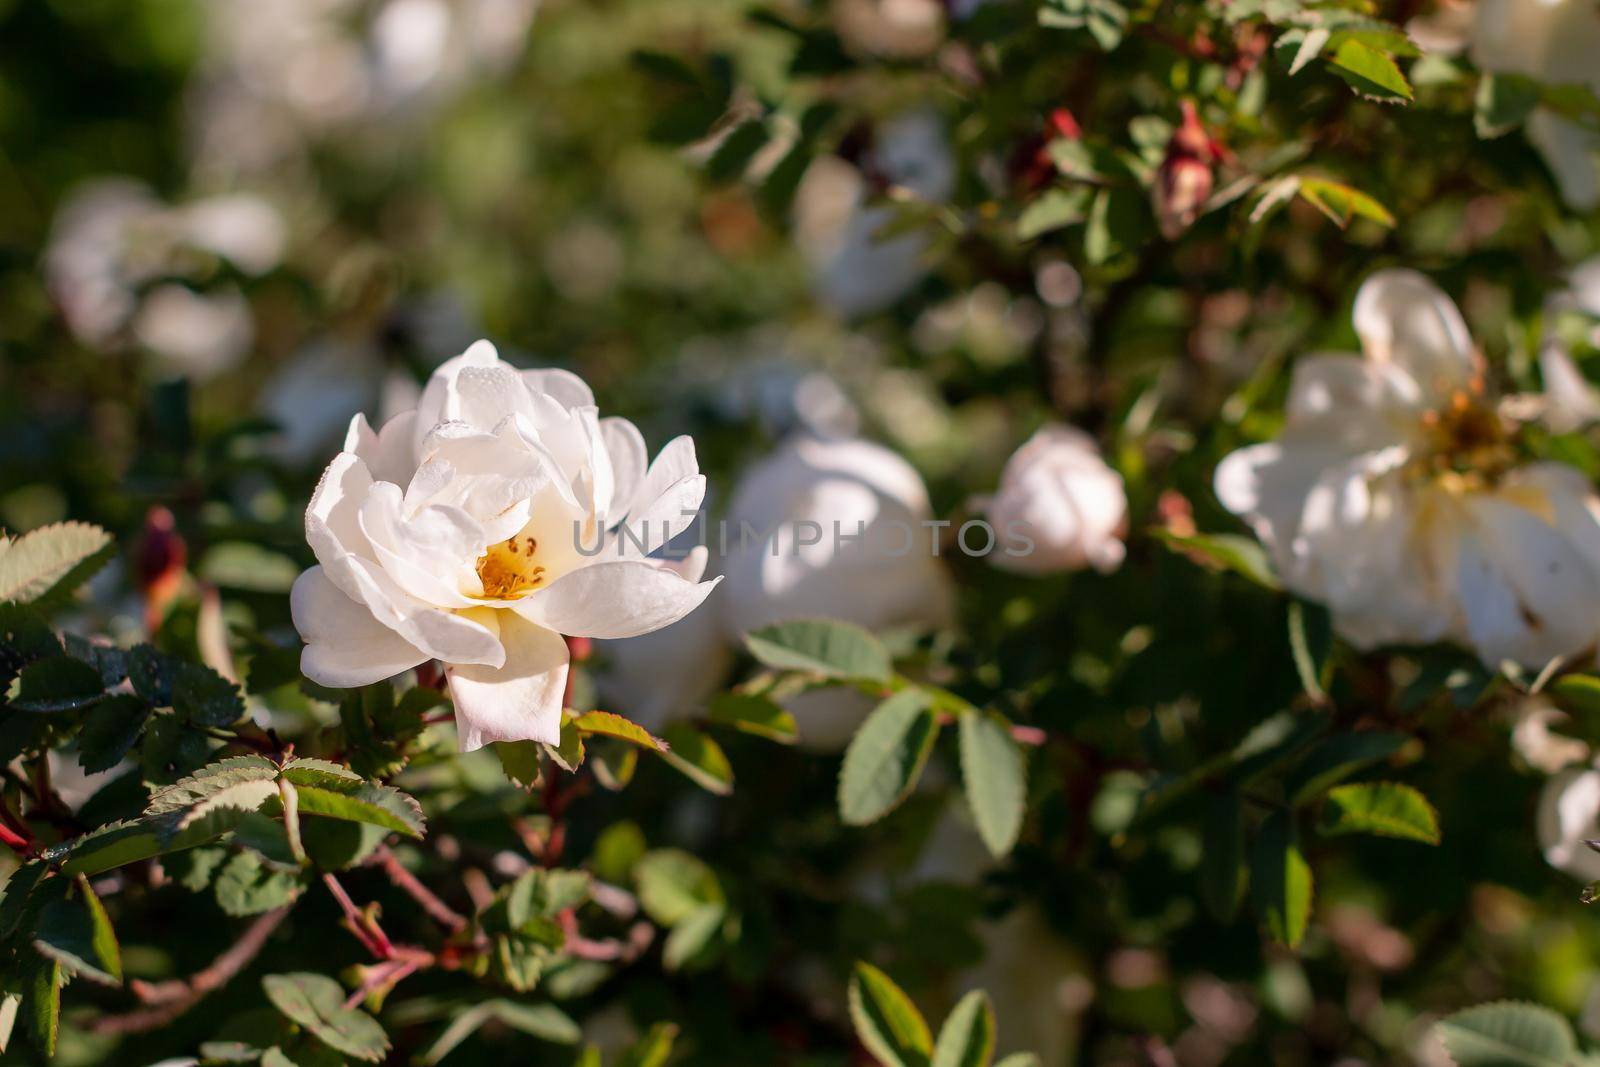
{"x":821,"y":528}
{"x":1394,"y":495}
{"x":1554,"y":41}
{"x":854,"y":271}
{"x":279,"y":72}
{"x":1569,"y":815}
{"x":114,"y":255}
{"x":479,"y":529}
{"x":1535,"y":741}
{"x":1570,"y":402}
{"x":1059,"y":506}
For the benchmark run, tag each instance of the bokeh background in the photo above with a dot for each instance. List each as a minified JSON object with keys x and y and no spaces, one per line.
{"x":228,"y":225}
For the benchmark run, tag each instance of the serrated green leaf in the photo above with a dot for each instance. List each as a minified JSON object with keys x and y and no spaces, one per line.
{"x":520,"y":760}
{"x":1342,"y":203}
{"x":205,"y":697}
{"x":1336,"y":759}
{"x":75,"y":933}
{"x":110,"y":730}
{"x":755,"y":714}
{"x":1502,"y":103}
{"x":825,"y":648}
{"x":1280,"y":880}
{"x":994,"y":776}
{"x":379,"y":805}
{"x":695,"y":754}
{"x":610,"y":725}
{"x":57,"y":684}
{"x":247,"y":886}
{"x":151,"y":672}
{"x":1370,"y":72}
{"x":43,"y":1005}
{"x":886,"y":757}
{"x":316,"y":1002}
{"x":967,"y":1037}
{"x":1387,"y":809}
{"x":1508,"y":1034}
{"x":51,"y":561}
{"x":1053,"y":209}
{"x":887,"y":1023}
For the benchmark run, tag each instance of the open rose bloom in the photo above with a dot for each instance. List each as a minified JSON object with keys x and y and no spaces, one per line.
{"x":483,"y":526}
{"x":1395,"y":495}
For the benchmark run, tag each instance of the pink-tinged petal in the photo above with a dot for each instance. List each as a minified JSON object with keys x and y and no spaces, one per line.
{"x":562,"y":386}
{"x":623,"y":598}
{"x":345,"y":645}
{"x":520,"y":701}
{"x":1404,"y":319}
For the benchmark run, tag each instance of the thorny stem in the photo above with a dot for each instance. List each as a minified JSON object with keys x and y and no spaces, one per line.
{"x":361,"y":924}
{"x":407,"y":882}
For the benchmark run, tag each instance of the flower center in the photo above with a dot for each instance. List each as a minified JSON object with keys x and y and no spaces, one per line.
{"x":1468,"y":439}
{"x":508,"y":571}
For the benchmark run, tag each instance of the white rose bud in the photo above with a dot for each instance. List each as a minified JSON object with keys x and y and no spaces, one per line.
{"x":482,"y":527}
{"x":1059,"y":507}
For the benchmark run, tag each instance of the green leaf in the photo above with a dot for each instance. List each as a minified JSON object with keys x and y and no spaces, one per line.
{"x":887,"y":1023}
{"x":673,"y":884}
{"x":1371,"y":73}
{"x":43,"y":1003}
{"x":886,"y":757}
{"x":1338,"y":758}
{"x":1280,"y":880}
{"x":110,"y":730}
{"x":151,"y":673}
{"x":76,"y":934}
{"x":1577,"y":692}
{"x":735,"y":151}
{"x":1387,"y":809}
{"x":1310,"y":645}
{"x":544,"y":1021}
{"x":1342,"y":203}
{"x":757,"y":714}
{"x":610,"y":725}
{"x":1222,"y":857}
{"x":1053,"y":209}
{"x":219,"y":812}
{"x":51,"y":561}
{"x":205,"y":697}
{"x":1020,"y":1059}
{"x":692,"y":936}
{"x":248,"y":566}
{"x":1105,"y":20}
{"x":1242,"y":555}
{"x":316,"y":1002}
{"x":1502,"y":103}
{"x":247,"y":886}
{"x":567,"y":752}
{"x":379,"y":805}
{"x":520,"y":761}
{"x":967,"y":1037}
{"x":1508,"y":1034}
{"x":995,"y":777}
{"x":59,"y":683}
{"x":653,"y":1049}
{"x":825,"y":648}
{"x":699,"y":757}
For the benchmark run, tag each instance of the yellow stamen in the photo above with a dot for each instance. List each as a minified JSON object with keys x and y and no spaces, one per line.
{"x":507,"y":569}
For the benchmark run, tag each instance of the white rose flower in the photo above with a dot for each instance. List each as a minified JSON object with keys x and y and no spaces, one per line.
{"x":1569,"y":815}
{"x":1554,"y":41}
{"x":1393,"y":495}
{"x":784,"y":561}
{"x":479,"y":529}
{"x":1059,"y":506}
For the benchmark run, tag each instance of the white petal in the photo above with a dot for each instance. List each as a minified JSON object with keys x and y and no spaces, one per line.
{"x":1570,"y":401}
{"x":661,"y":519}
{"x":624,"y":598}
{"x":333,"y":526}
{"x":1569,"y":149}
{"x":1404,"y":319}
{"x":1355,"y":401}
{"x":1569,"y":814}
{"x":629,"y":460}
{"x":520,"y":701}
{"x":675,"y":462}
{"x":345,"y":645}
{"x":388,"y":452}
{"x":435,"y":395}
{"x":444,"y":635}
{"x":431,"y":553}
{"x":562,"y":386}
